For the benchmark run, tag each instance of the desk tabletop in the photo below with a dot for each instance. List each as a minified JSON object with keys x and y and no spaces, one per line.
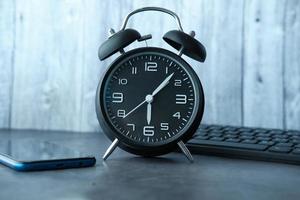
{"x":125,"y":176}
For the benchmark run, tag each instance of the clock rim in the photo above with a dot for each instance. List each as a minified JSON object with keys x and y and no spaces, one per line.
{"x":129,"y":145}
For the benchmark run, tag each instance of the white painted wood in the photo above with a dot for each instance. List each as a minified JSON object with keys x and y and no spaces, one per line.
{"x":99,"y":17}
{"x":263,"y":66}
{"x":292,"y":65}
{"x":218,"y":25}
{"x":48,"y":65}
{"x":50,"y":69}
{"x":7,"y":42}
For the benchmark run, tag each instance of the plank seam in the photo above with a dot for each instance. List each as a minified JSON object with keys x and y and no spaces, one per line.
{"x":283,"y":65}
{"x":12,"y":76}
{"x":242,"y":63}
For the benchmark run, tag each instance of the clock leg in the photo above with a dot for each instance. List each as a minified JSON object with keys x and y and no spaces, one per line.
{"x":110,"y":149}
{"x":185,"y":150}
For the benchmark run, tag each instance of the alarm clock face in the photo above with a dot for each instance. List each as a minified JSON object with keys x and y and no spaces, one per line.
{"x":149,"y":99}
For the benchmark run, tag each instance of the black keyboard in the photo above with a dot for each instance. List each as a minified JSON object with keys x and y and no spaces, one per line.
{"x":247,"y":143}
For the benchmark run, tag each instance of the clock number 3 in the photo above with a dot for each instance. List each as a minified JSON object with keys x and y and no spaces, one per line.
{"x":181,"y":99}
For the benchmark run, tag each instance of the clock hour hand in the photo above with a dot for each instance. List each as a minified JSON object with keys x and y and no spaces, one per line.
{"x":148,"y":113}
{"x":162,"y":85}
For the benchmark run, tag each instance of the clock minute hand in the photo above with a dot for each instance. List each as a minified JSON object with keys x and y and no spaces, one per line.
{"x":135,"y":108}
{"x":162,"y":85}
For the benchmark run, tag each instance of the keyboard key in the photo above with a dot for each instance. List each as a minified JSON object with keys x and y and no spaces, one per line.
{"x":260,"y":130}
{"x":296,"y":137}
{"x":215,"y":127}
{"x":247,"y":133}
{"x":263,"y":135}
{"x":295,"y":133}
{"x":245,"y":129}
{"x":232,"y":132}
{"x":215,"y":134}
{"x":256,"y":147}
{"x":276,"y":131}
{"x":217,"y":138}
{"x":263,"y":138}
{"x":297,"y":146}
{"x":245,"y":137}
{"x":280,"y":149}
{"x":296,"y":151}
{"x":200,"y":137}
{"x":232,"y":140}
{"x":279,"y":140}
{"x":269,"y":143}
{"x":283,"y":136}
{"x":295,"y":141}
{"x":249,"y":141}
{"x":229,"y":128}
{"x":230,"y":136}
{"x":284,"y":145}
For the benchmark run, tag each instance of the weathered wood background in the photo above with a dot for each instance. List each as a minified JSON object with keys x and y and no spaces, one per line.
{"x":49,"y":68}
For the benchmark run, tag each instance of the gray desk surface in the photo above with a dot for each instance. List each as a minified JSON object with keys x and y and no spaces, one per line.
{"x":125,"y":176}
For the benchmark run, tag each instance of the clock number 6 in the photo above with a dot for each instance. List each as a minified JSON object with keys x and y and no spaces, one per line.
{"x":148,"y":130}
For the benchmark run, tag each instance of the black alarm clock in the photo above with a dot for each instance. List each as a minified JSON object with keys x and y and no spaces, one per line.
{"x":150,"y":100}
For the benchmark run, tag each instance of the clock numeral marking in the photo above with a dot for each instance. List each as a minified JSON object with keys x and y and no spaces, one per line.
{"x":121,"y":113}
{"x":134,"y":70}
{"x":164,"y":126}
{"x":181,"y":99}
{"x":150,"y":66}
{"x":132,"y":125}
{"x":123,"y":81}
{"x":117,"y":97}
{"x":177,"y":83}
{"x":167,"y":70}
{"x":177,"y":115}
{"x":148,"y":130}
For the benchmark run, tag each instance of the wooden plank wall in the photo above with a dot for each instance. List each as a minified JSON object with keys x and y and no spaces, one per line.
{"x":50,"y":70}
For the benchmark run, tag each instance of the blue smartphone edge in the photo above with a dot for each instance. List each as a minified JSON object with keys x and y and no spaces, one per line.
{"x":65,"y":163}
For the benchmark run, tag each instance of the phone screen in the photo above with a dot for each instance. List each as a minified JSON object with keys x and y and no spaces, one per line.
{"x":33,"y":150}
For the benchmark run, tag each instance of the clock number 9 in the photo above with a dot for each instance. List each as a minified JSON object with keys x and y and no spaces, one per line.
{"x":117,"y":97}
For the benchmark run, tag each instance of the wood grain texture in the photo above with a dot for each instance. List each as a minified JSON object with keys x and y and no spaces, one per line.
{"x":99,"y":17}
{"x":7,"y":48}
{"x":218,"y":25}
{"x":50,"y":69}
{"x":48,"y":65}
{"x":263,"y":63}
{"x":292,"y":65}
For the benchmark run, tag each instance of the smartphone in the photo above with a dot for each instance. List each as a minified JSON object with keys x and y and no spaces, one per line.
{"x":33,"y":155}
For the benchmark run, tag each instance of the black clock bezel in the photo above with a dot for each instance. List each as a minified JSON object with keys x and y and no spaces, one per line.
{"x":129,"y":145}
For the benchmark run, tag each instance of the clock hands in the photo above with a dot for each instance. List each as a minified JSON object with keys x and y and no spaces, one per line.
{"x":162,"y":85}
{"x":148,"y":113}
{"x":149,"y":98}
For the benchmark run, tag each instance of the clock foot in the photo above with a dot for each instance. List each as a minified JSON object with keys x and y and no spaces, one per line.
{"x":110,"y":149}
{"x":185,"y":150}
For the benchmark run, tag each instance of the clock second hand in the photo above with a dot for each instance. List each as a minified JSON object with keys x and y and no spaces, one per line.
{"x":149,"y":98}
